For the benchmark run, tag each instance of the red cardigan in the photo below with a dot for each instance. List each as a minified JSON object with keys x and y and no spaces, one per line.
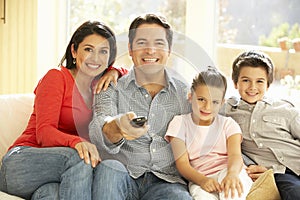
{"x":60,"y":116}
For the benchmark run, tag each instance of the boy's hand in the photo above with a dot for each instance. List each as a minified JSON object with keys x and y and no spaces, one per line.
{"x":255,"y":171}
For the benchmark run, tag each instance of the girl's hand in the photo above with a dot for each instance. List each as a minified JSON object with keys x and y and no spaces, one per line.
{"x":105,"y":80}
{"x":210,"y":185}
{"x":88,"y":152}
{"x":232,"y":183}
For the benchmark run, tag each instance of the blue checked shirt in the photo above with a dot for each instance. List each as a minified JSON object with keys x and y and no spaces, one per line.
{"x":151,"y":152}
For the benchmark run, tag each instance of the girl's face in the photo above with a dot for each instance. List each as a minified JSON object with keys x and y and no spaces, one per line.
{"x":92,"y":55}
{"x":252,"y":84}
{"x":206,"y":103}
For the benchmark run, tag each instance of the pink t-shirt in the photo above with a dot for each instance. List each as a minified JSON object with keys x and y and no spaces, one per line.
{"x":206,"y":145}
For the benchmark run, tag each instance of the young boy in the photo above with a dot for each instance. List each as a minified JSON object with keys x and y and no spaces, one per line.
{"x":207,"y":146}
{"x":271,"y":128}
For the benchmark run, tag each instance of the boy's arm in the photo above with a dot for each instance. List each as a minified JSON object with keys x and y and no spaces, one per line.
{"x":254,"y":171}
{"x":248,"y":161}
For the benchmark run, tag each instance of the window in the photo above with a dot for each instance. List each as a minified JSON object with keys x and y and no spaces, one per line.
{"x":247,"y":22}
{"x":119,"y":14}
{"x":220,"y":28}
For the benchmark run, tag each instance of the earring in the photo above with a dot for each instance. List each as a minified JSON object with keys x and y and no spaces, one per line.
{"x":74,"y":61}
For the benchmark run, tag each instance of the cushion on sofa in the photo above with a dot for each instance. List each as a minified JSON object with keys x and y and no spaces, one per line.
{"x":264,"y":188}
{"x":15,"y":110}
{"x":4,"y":196}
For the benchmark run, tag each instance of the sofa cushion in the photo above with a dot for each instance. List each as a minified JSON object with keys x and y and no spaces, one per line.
{"x":4,"y":196}
{"x":264,"y":188}
{"x":15,"y":110}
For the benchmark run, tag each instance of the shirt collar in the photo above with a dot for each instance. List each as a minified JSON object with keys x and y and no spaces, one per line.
{"x":235,"y":101}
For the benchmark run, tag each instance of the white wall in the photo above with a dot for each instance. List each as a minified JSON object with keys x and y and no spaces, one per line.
{"x":201,"y":24}
{"x":52,"y":33}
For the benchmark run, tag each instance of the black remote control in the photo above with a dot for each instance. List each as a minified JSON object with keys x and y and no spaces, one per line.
{"x":138,"y":122}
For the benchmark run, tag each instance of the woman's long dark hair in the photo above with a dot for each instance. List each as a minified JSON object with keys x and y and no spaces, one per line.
{"x":86,"y":29}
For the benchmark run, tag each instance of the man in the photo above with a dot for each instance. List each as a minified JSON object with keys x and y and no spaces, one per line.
{"x":142,"y":165}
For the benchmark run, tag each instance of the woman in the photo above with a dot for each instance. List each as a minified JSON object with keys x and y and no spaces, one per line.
{"x":55,"y":146}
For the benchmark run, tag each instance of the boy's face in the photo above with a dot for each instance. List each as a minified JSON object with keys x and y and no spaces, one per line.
{"x":206,"y":103}
{"x":252,"y":84}
{"x":150,"y":48}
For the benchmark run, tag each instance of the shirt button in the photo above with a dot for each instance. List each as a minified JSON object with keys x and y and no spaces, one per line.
{"x":253,"y":134}
{"x":282,"y":159}
{"x":146,"y":95}
{"x":253,"y":121}
{"x":152,"y":115}
{"x":151,"y":134}
{"x":153,"y":150}
{"x":260,"y":145}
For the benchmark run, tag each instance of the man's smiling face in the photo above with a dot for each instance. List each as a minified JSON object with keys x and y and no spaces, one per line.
{"x":150,"y":47}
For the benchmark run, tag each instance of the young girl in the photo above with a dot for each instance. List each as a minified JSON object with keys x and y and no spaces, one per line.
{"x":206,"y":145}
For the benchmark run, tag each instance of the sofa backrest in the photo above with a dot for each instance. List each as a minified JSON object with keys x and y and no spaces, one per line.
{"x":15,"y":110}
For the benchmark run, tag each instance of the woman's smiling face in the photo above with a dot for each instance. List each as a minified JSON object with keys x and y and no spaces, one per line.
{"x":92,"y":55}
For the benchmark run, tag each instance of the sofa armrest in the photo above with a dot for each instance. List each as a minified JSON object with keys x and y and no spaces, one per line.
{"x":15,"y":110}
{"x":8,"y":197}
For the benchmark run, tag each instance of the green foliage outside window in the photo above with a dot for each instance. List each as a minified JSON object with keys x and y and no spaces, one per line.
{"x":283,"y":30}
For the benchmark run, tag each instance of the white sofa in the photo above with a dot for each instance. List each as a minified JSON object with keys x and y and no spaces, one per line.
{"x":15,"y":110}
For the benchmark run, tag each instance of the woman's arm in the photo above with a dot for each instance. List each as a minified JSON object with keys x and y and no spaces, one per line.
{"x":111,"y":75}
{"x":49,"y":114}
{"x":187,"y":171}
{"x":48,"y":105}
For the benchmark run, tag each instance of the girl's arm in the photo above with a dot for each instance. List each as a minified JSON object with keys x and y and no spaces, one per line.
{"x":235,"y":164}
{"x":187,"y":171}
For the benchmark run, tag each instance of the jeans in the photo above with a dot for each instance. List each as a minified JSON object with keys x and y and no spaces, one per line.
{"x":288,"y":185}
{"x":112,"y":181}
{"x":27,"y":169}
{"x":48,"y":191}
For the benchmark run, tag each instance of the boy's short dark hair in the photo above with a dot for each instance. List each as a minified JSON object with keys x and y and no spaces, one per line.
{"x":253,"y":59}
{"x":210,"y":77}
{"x":150,"y":19}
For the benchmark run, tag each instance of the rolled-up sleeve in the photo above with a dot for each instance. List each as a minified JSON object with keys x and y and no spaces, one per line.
{"x":105,"y":106}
